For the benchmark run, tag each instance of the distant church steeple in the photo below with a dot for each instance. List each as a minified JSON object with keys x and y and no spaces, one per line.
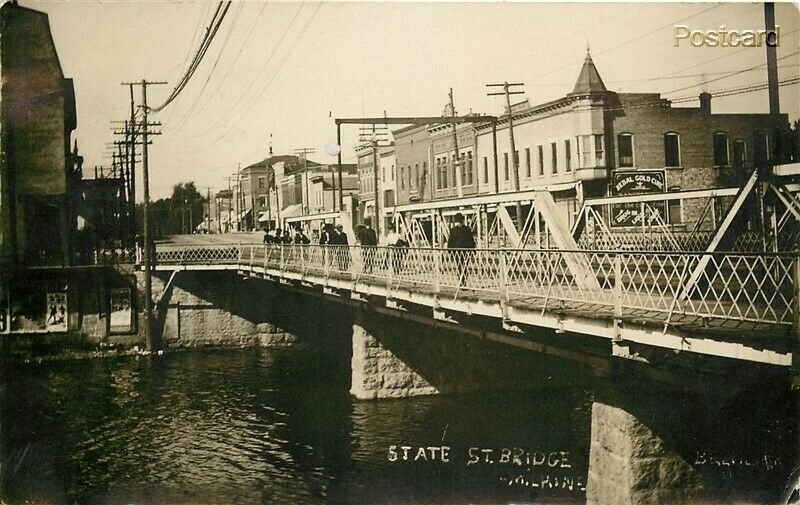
{"x":589,"y":80}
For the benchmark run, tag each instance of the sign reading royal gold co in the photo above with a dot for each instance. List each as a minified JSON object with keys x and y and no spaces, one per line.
{"x":637,"y":183}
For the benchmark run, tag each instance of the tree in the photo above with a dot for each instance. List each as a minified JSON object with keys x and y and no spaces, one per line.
{"x":180,"y":213}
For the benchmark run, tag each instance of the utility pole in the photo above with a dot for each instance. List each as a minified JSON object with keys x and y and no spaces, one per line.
{"x":150,"y":339}
{"x":208,"y":210}
{"x":230,"y":204}
{"x":457,"y":161}
{"x":374,"y":140}
{"x":514,"y":159}
{"x":772,"y":61}
{"x":304,"y":152}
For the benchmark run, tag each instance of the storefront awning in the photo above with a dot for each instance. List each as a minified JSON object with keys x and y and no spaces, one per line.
{"x":292,"y":211}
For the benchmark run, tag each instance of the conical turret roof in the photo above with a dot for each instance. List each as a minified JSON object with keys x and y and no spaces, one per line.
{"x":589,"y":80}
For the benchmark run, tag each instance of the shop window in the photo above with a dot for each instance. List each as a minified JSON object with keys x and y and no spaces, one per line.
{"x":721,"y":149}
{"x":568,"y":155}
{"x":760,"y":148}
{"x":625,"y":149}
{"x":527,"y":162}
{"x":739,"y":154}
{"x":672,"y":150}
{"x":540,"y":152}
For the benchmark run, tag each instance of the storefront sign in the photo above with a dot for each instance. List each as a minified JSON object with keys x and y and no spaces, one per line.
{"x":637,"y":183}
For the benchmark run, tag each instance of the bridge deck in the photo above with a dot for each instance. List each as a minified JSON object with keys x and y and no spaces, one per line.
{"x":737,"y":298}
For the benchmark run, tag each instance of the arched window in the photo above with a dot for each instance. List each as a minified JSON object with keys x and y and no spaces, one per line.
{"x":672,"y":149}
{"x":739,"y":153}
{"x":721,"y":149}
{"x":625,"y":149}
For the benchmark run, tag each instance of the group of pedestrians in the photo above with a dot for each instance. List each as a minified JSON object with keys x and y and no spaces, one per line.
{"x":335,"y":236}
{"x":460,"y":244}
{"x":277,"y":236}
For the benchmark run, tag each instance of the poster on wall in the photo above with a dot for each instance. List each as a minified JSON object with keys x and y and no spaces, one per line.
{"x":633,"y":183}
{"x":56,"y":313}
{"x":5,"y":325}
{"x":121,"y":313}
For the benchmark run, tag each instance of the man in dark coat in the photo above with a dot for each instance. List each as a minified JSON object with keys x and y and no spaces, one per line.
{"x":343,"y":251}
{"x":369,"y":239}
{"x":460,"y":242}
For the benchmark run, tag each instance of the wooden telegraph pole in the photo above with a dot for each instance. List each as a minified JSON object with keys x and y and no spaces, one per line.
{"x":457,"y":160}
{"x":150,"y":339}
{"x":304,"y":152}
{"x":514,"y":161}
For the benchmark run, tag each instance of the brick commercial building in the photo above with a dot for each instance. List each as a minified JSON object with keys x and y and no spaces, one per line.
{"x":578,"y":146}
{"x":39,"y":176}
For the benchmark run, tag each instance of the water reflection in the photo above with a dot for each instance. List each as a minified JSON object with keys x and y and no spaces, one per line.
{"x":257,"y":426}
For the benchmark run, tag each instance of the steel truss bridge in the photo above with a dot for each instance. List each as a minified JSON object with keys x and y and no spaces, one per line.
{"x":723,"y":284}
{"x":739,"y":306}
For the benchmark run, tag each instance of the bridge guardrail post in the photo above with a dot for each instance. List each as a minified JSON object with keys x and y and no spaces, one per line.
{"x":618,"y":285}
{"x":437,"y":270}
{"x":617,"y":295}
{"x":796,"y":321}
{"x":390,"y":271}
{"x":503,"y":277}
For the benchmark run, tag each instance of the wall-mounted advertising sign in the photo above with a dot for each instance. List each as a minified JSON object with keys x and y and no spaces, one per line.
{"x":5,"y":324}
{"x":56,"y":313}
{"x":632,"y":183}
{"x":121,"y":313}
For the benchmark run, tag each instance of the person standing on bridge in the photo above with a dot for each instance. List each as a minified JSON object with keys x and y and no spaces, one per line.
{"x":460,"y":242}
{"x":368,"y":240}
{"x":343,"y":249}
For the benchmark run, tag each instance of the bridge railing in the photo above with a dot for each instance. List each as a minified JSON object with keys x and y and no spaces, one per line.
{"x":665,"y":287}
{"x":198,"y":254}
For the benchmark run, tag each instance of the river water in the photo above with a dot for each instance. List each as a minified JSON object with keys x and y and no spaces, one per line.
{"x":279,"y":426}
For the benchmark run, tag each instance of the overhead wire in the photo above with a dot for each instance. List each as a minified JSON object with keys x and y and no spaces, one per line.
{"x":634,"y":39}
{"x":277,"y":71}
{"x":231,"y":28}
{"x":732,"y":74}
{"x":211,"y":32}
{"x":235,"y":59}
{"x":231,"y":110}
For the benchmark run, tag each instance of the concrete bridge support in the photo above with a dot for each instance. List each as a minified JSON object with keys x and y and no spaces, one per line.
{"x":407,"y":355}
{"x":629,"y":464}
{"x":378,"y":373}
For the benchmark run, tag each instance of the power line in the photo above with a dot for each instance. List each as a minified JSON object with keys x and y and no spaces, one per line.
{"x":233,"y":63}
{"x":703,"y":63}
{"x":277,"y":71}
{"x":634,"y":39}
{"x":211,"y":32}
{"x":232,"y":109}
{"x":188,"y":113}
{"x":728,"y":75}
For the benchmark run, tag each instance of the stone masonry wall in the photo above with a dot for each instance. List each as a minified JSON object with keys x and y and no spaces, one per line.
{"x":217,"y":309}
{"x":630,"y":465}
{"x":377,"y":373}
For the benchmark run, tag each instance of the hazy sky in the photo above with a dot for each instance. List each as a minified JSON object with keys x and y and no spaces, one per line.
{"x":288,"y":68}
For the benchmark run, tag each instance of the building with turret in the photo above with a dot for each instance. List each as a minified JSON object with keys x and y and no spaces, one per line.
{"x":596,"y":142}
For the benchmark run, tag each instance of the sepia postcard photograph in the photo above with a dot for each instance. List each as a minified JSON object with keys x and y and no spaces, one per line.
{"x":399,"y":253}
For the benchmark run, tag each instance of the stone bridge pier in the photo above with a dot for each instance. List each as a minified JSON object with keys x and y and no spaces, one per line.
{"x":651,"y":444}
{"x":395,"y":357}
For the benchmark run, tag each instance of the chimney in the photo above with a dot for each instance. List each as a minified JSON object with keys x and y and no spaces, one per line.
{"x":705,"y":102}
